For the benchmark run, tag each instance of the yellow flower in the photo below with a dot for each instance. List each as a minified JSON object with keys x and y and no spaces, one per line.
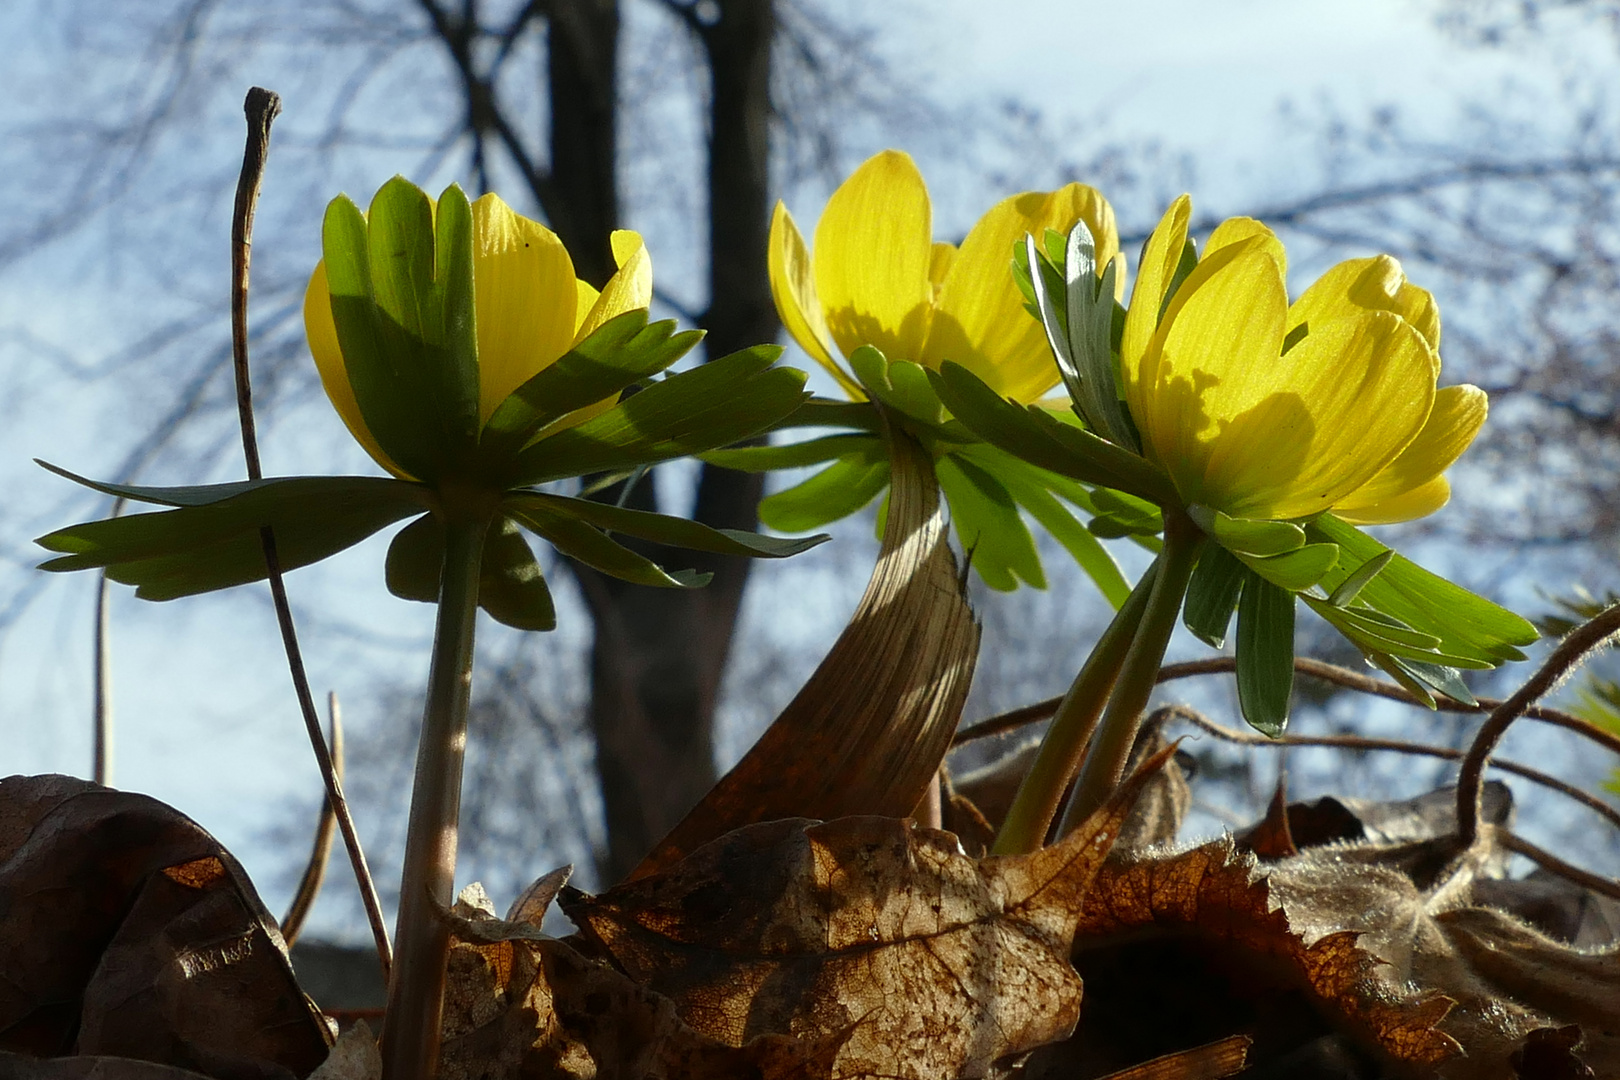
{"x":1270,"y":411}
{"x":876,"y":277}
{"x":529,"y":310}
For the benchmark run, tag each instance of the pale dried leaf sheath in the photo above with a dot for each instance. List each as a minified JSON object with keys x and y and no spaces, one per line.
{"x":880,"y":941}
{"x":867,"y":733}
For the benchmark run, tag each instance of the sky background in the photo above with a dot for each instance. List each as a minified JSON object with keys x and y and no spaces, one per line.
{"x":1234,"y":96}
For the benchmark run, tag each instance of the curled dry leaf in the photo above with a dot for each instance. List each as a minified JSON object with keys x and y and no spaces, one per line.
{"x":24,"y":1067}
{"x":868,"y":936}
{"x":867,"y":733}
{"x":1214,"y":891}
{"x":1423,"y":976}
{"x":532,"y":1008}
{"x":1212,"y":1061}
{"x":354,"y":1056}
{"x":126,"y":930}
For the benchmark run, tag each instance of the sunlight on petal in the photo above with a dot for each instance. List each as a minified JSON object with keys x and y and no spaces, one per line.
{"x":1458,"y":414}
{"x":1358,"y":391}
{"x":321,"y":330}
{"x":873,"y":249}
{"x":1153,"y":277}
{"x":1214,"y":357}
{"x":1375,"y":284}
{"x":523,"y":281}
{"x":793,"y":287}
{"x":981,"y":322}
{"x":628,"y":289}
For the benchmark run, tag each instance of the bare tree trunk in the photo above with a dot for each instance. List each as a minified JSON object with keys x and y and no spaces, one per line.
{"x":582,"y":66}
{"x":658,"y":656}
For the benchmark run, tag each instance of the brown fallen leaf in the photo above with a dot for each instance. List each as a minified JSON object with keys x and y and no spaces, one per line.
{"x":128,"y":931}
{"x":1213,"y":1061}
{"x":1549,"y":1054}
{"x":24,"y":1067}
{"x":355,"y":1056}
{"x":914,"y":959}
{"x":1215,"y":892}
{"x":867,"y":733}
{"x":532,"y":1007}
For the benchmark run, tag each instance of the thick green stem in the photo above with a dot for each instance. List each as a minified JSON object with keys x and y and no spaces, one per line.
{"x":1036,"y":803}
{"x":410,"y":1044}
{"x":1111,"y":749}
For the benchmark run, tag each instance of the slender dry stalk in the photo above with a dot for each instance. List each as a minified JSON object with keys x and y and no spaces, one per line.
{"x":261,"y":107}
{"x":1316,"y":669}
{"x":309,"y":886}
{"x":1577,"y":645}
{"x":1553,"y":864}
{"x":1398,"y":746}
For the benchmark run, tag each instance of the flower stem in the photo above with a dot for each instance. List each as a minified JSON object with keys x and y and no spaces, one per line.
{"x":410,"y":1044}
{"x":1110,"y":750}
{"x":1036,"y":803}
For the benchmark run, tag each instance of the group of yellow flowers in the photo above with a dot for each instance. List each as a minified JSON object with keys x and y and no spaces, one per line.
{"x":1255,"y":407}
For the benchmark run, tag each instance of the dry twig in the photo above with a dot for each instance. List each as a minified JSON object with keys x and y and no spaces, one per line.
{"x":262,"y":106}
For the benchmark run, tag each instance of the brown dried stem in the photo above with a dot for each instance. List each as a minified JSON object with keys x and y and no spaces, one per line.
{"x":1316,"y":669}
{"x":1359,"y":742}
{"x":1553,"y":864}
{"x":1577,"y":645}
{"x":261,"y":107}
{"x":309,"y":886}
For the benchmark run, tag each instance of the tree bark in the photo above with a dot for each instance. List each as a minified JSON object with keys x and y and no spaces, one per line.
{"x":582,"y":72}
{"x":658,"y":656}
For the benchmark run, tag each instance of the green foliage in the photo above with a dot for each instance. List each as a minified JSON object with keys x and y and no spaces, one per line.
{"x":1265,"y":653}
{"x":402,"y":301}
{"x":205,"y":545}
{"x":622,"y":352}
{"x":715,"y":404}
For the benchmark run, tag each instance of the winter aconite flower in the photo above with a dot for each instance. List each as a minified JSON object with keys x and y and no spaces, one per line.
{"x":462,"y":353}
{"x":1265,"y":410}
{"x":527,"y":311}
{"x":880,"y":304}
{"x":876,"y":277}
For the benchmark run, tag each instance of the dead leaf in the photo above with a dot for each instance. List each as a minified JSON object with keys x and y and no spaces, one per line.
{"x":1215,"y":891}
{"x":867,"y":733}
{"x":1549,"y":1054}
{"x":534,"y":1008}
{"x":531,"y":905}
{"x":1213,"y":1061}
{"x":129,"y":932}
{"x":23,"y":1067}
{"x":354,"y":1056}
{"x":918,"y":960}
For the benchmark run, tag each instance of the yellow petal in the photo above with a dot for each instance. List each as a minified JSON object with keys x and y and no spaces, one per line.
{"x":628,"y":289}
{"x":1371,"y":284}
{"x":1458,"y":414}
{"x":939,"y":264}
{"x":873,"y":249}
{"x":586,"y":299}
{"x":1232,"y":230}
{"x":1420,"y":501}
{"x":1343,"y":404}
{"x":1153,"y":278}
{"x":523,"y":284}
{"x":793,"y":287}
{"x":980,"y":321}
{"x":323,"y":346}
{"x":1213,"y":358}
